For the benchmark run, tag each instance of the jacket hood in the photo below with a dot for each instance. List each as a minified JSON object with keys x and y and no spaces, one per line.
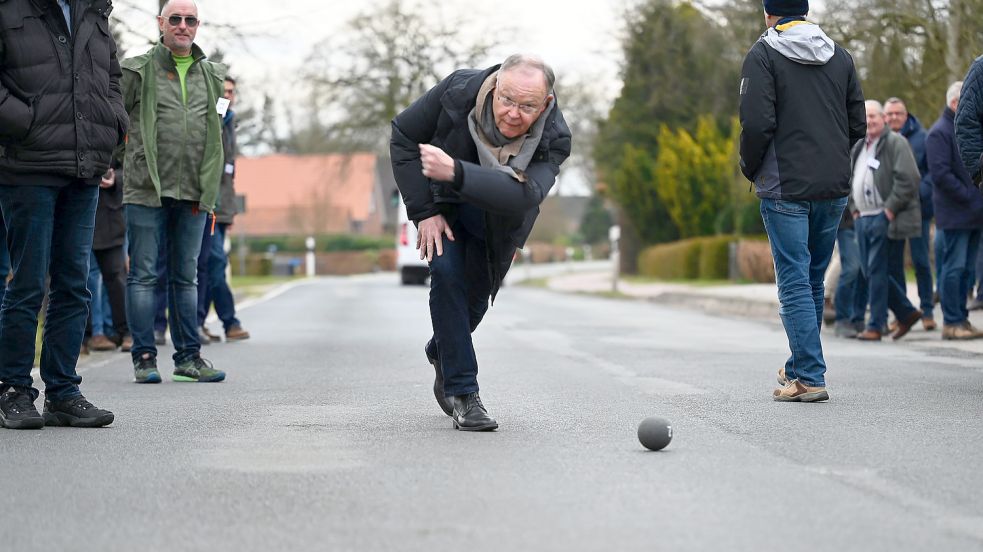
{"x":801,"y":42}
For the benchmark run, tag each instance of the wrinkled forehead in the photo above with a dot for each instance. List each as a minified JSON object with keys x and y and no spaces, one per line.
{"x":523,"y":80}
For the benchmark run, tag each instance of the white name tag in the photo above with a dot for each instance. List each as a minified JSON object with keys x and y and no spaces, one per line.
{"x":230,"y":168}
{"x":222,"y":105}
{"x":873,"y":163}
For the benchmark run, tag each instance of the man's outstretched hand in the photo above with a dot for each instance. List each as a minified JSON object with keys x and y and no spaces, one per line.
{"x":429,"y":237}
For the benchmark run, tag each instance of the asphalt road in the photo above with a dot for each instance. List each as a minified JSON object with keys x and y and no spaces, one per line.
{"x":326,"y":437}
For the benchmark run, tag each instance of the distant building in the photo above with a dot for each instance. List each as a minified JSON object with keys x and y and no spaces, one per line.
{"x":315,"y":194}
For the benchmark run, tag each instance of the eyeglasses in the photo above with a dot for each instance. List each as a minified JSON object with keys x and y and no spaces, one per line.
{"x":189,"y":20}
{"x":525,"y":109}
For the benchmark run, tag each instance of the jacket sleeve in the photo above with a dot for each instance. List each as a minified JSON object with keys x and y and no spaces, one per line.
{"x":904,"y":171}
{"x":855,"y":108}
{"x":757,"y":111}
{"x":938,"y":149}
{"x":969,"y":120}
{"x":499,"y":193}
{"x":16,"y":116}
{"x":116,"y":92}
{"x":414,"y":126}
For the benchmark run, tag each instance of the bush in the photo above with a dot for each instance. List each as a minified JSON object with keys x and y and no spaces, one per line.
{"x":715,"y":258}
{"x":326,"y":243}
{"x":693,"y":259}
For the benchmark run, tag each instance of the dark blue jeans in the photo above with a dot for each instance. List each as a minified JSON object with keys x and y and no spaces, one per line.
{"x":459,"y":292}
{"x":851,"y":290}
{"x":802,"y":235}
{"x":49,"y":233}
{"x":923,"y":269}
{"x":957,"y":274}
{"x":160,"y":292}
{"x":4,"y":258}
{"x":884,"y":270}
{"x":204,"y":252}
{"x":218,"y":292}
{"x":183,"y":224}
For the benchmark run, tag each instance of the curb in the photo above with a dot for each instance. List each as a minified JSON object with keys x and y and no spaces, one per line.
{"x":718,"y":305}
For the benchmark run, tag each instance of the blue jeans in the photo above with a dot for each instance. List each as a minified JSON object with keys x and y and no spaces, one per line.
{"x":957,"y":274}
{"x":939,"y":255}
{"x":160,"y":292}
{"x":204,"y":252}
{"x":851,"y":290}
{"x":459,"y":292}
{"x":49,"y":233}
{"x":183,"y":224}
{"x":923,"y":269}
{"x":4,"y":258}
{"x":884,"y":270}
{"x":802,"y":235}
{"x":218,"y":291}
{"x":94,"y":285}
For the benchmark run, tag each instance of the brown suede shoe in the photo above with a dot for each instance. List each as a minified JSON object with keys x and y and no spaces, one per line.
{"x":869,"y":335}
{"x":782,"y":379}
{"x":795,"y":391}
{"x":236,"y":333}
{"x":101,"y":343}
{"x":211,"y":337}
{"x":904,"y":325}
{"x":127,"y":344}
{"x":929,"y":324}
{"x":960,"y":332}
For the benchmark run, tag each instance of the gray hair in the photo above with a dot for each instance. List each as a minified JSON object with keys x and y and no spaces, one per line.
{"x":896,"y":100}
{"x":532,"y":62}
{"x":953,"y":93}
{"x":875,"y":104}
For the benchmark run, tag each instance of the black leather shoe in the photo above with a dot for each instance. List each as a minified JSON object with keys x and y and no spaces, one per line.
{"x":438,"y":382}
{"x":470,"y":415}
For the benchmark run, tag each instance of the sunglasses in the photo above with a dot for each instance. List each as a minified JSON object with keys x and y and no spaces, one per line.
{"x":189,"y":20}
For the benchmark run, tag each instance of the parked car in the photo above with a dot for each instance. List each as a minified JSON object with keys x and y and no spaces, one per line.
{"x":412,"y":270}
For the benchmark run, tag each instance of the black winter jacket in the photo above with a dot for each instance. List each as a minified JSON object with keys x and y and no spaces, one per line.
{"x":439,"y":118}
{"x":799,"y":119}
{"x":61,"y":110}
{"x":969,"y":121}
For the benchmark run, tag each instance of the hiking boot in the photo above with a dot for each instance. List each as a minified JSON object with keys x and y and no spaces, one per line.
{"x":145,"y":370}
{"x":928,"y":324}
{"x":211,"y":337}
{"x":127,"y":344}
{"x":438,"y":382}
{"x":17,"y":410}
{"x":235,"y":333}
{"x":159,"y":337}
{"x":845,"y":329}
{"x":76,"y":412}
{"x":905,"y":324}
{"x":960,"y":332}
{"x":796,"y":391}
{"x":101,"y":343}
{"x":199,"y":370}
{"x":470,"y":415}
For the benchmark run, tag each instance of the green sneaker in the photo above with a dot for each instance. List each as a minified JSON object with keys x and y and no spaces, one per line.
{"x":199,"y":370}
{"x":145,"y":370}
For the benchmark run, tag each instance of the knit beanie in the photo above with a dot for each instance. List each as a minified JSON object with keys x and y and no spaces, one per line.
{"x":786,"y":7}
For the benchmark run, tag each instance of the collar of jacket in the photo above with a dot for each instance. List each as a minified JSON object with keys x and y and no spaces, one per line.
{"x":882,"y":141}
{"x":460,"y":99}
{"x":165,"y":57}
{"x":948,"y":113}
{"x":911,"y":126}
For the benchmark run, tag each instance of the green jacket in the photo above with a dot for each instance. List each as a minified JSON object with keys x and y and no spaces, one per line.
{"x":174,"y":148}
{"x":897,"y":180}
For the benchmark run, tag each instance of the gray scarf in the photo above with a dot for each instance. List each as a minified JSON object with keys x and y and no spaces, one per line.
{"x":510,"y":156}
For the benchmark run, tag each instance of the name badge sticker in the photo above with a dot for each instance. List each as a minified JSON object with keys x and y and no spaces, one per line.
{"x":230,"y":168}
{"x":222,"y":106}
{"x":873,"y":163}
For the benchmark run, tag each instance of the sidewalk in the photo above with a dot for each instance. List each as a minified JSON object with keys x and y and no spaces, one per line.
{"x":750,"y":301}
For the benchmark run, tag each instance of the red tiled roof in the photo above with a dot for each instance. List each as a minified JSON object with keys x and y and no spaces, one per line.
{"x":303,"y":194}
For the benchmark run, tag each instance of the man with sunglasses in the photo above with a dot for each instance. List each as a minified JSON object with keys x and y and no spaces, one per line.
{"x":173,"y":164}
{"x":473,"y":159}
{"x":61,"y":116}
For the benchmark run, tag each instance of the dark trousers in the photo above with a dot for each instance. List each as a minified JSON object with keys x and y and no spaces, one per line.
{"x":884,"y":268}
{"x":49,"y":232}
{"x":459,"y":293}
{"x":203,"y":256}
{"x":957,"y":274}
{"x":112,"y":265}
{"x":218,"y":291}
{"x":160,"y":292}
{"x":4,"y":258}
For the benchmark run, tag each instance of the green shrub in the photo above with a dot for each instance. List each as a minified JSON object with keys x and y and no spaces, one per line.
{"x":326,"y":243}
{"x":696,"y":258}
{"x":715,"y":258}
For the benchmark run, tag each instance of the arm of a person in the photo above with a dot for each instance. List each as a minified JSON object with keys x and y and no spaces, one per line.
{"x":855,"y":107}
{"x":757,"y":111}
{"x":904,"y":170}
{"x":116,"y":91}
{"x":969,"y":120}
{"x":414,"y":126}
{"x":938,"y":149}
{"x":16,"y":115}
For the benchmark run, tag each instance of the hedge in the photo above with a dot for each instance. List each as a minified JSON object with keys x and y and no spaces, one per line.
{"x":706,"y":258}
{"x":327,"y":243}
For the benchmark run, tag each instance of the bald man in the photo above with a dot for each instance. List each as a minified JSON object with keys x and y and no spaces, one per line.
{"x":173,"y":162}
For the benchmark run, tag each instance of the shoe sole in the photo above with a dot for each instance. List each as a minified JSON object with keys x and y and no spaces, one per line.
{"x":153,"y":378}
{"x":186,"y":379}
{"x":487,"y":427}
{"x":818,"y":396}
{"x":227,"y":338}
{"x":60,"y":419}
{"x":30,"y":423}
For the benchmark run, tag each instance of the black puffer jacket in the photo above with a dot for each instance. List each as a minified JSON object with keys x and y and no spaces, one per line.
{"x":61,"y":110}
{"x":440,"y":118}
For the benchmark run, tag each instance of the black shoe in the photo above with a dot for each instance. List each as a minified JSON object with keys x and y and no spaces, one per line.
{"x":470,"y":415}
{"x":76,"y":412}
{"x":17,"y":410}
{"x":438,"y":382}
